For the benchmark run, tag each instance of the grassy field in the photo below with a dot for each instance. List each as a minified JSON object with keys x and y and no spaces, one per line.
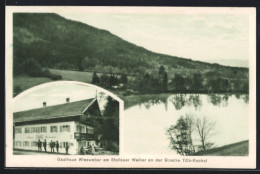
{"x":236,"y":149}
{"x":73,"y":75}
{"x":26,"y":82}
{"x":81,"y":76}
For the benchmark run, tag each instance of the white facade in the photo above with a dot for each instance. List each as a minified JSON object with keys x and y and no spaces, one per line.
{"x":27,"y":136}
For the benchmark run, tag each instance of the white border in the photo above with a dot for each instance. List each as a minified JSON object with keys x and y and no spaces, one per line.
{"x":212,"y":162}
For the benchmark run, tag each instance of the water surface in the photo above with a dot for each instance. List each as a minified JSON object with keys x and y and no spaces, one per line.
{"x":145,"y":123}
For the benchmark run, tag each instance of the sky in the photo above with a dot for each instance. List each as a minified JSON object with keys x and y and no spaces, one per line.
{"x":215,"y":38}
{"x":56,"y":94}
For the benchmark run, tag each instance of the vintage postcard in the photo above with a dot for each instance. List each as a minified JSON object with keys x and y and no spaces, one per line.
{"x":130,"y":87}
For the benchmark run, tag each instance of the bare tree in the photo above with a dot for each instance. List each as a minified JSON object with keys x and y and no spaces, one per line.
{"x":205,"y":128}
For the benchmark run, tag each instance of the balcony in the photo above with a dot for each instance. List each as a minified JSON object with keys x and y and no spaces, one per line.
{"x":84,"y":136}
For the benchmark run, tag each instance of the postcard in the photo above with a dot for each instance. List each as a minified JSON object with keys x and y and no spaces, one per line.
{"x":130,"y":87}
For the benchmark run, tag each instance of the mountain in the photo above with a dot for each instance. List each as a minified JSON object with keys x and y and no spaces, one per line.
{"x":49,"y":40}
{"x":231,"y":62}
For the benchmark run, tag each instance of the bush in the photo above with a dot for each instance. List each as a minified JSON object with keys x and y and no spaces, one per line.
{"x":17,"y":90}
{"x":56,"y":77}
{"x":47,"y":73}
{"x":110,"y":145}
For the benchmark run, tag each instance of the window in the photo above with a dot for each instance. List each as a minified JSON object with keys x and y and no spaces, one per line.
{"x":26,"y":143}
{"x":90,"y":130}
{"x":65,"y":128}
{"x":43,"y":129}
{"x":27,"y":130}
{"x":33,"y":129}
{"x":81,"y":129}
{"x":18,"y":130}
{"x":54,"y":129}
{"x":38,"y":129}
{"x":18,"y":144}
{"x":78,"y":128}
{"x":34,"y":143}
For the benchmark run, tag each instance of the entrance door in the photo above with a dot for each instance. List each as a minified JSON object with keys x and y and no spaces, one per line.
{"x":80,"y":144}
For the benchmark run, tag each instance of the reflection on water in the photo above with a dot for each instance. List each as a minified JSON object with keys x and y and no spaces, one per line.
{"x":180,"y":100}
{"x":146,"y":122}
{"x":219,"y":99}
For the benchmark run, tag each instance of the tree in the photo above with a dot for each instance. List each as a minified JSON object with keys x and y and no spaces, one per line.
{"x":161,"y":71}
{"x":163,"y":79}
{"x":110,"y":133}
{"x":123,"y":79}
{"x":245,"y":87}
{"x":180,"y":136}
{"x":104,"y":80}
{"x":32,"y":67}
{"x":205,"y":129}
{"x":17,"y":90}
{"x":95,"y":78}
{"x":197,"y":82}
{"x":178,"y":82}
{"x":112,"y":81}
{"x":165,"y":82}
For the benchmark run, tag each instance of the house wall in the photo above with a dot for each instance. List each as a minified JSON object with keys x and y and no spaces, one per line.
{"x":27,"y":136}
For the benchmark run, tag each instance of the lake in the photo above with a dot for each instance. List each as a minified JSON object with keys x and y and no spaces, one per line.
{"x":147,"y":117}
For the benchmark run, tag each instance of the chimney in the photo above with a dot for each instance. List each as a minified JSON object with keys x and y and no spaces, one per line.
{"x":44,"y":104}
{"x":67,"y":100}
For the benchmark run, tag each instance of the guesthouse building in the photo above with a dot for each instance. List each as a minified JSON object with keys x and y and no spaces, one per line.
{"x":70,"y":124}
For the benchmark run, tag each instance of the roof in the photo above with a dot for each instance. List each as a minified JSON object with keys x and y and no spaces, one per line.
{"x":61,"y":110}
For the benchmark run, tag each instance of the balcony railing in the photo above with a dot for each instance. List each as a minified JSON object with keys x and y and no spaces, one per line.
{"x":84,"y":136}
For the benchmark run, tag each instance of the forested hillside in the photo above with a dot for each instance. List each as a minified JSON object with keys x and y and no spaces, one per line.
{"x":47,"y":40}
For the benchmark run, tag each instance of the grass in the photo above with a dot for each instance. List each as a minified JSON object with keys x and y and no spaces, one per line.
{"x":235,"y":149}
{"x":26,"y":82}
{"x":73,"y":75}
{"x":81,"y":76}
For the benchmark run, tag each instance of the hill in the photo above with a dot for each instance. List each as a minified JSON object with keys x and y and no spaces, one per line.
{"x":56,"y":42}
{"x":236,"y":149}
{"x":50,"y":46}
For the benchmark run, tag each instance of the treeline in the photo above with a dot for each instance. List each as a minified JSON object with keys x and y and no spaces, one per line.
{"x":199,"y":83}
{"x":110,"y":81}
{"x":33,"y":68}
{"x":158,"y":82}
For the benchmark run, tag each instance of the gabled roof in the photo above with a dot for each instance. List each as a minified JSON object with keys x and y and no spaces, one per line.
{"x":55,"y":111}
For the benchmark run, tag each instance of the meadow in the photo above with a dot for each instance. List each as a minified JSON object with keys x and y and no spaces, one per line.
{"x":236,"y":149}
{"x":25,"y":82}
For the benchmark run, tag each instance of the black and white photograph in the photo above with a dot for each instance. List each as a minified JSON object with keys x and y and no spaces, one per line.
{"x":66,"y":118}
{"x":185,"y":76}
